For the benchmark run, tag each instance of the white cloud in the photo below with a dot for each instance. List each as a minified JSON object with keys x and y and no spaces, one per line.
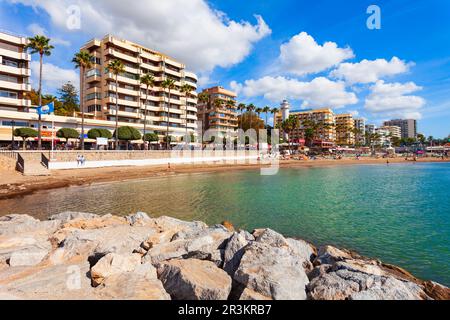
{"x":320,"y":92}
{"x":53,"y":77}
{"x":36,"y":29}
{"x":303,"y":55}
{"x":190,"y":31}
{"x":392,"y":100}
{"x":354,"y":113}
{"x":368,"y":71}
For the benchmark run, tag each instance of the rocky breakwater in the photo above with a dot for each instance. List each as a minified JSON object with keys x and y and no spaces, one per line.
{"x":85,"y":256}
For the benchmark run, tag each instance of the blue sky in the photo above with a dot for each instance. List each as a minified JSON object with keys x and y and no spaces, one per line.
{"x":315,"y":53}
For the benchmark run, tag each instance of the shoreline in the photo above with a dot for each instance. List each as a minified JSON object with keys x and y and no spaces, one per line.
{"x":152,"y":256}
{"x":14,"y":184}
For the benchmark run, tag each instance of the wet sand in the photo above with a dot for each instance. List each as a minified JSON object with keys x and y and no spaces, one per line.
{"x":13,"y":184}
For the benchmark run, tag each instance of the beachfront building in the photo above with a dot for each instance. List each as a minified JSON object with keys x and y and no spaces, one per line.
{"x":14,"y":73}
{"x":219,"y":113}
{"x":408,"y":127}
{"x":371,"y":128}
{"x":395,"y":131}
{"x":360,"y":134}
{"x":384,"y":137}
{"x":322,"y":121}
{"x":344,"y":129}
{"x":100,"y":88}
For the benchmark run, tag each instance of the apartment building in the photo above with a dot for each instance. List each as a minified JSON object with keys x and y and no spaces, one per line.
{"x":14,"y":73}
{"x":321,"y":120}
{"x":408,"y":127}
{"x":384,"y":137}
{"x":100,"y":89}
{"x":360,"y":136}
{"x":371,"y":128}
{"x":345,"y":125}
{"x":221,"y":117}
{"x":394,"y":131}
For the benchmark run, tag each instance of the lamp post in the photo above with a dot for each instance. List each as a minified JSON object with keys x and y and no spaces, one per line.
{"x":12,"y":134}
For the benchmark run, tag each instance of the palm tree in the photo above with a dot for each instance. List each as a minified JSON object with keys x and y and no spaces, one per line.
{"x":289,"y":125}
{"x":203,"y":98}
{"x":83,"y":61}
{"x":266,"y":110}
{"x":241,"y":107}
{"x":149,"y":81}
{"x":186,"y":90}
{"x":116,"y":67}
{"x":168,"y":84}
{"x":41,"y":45}
{"x":250,"y":109}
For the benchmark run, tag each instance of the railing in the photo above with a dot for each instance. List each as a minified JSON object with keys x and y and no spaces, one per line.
{"x":9,"y":154}
{"x":44,"y":160}
{"x":20,"y":165}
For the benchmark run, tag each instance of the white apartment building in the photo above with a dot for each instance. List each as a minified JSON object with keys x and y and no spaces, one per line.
{"x":14,"y":73}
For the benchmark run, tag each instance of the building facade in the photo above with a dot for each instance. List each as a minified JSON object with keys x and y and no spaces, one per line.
{"x":360,"y":136}
{"x":395,"y":131}
{"x":371,"y":128}
{"x":99,"y":86}
{"x":14,"y":73}
{"x":219,"y":114}
{"x":408,"y":127}
{"x":322,"y":121}
{"x":344,"y":129}
{"x":384,"y":137}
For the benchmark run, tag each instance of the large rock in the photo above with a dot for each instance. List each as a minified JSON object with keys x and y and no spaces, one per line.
{"x":234,"y":251}
{"x":72,"y":215}
{"x":29,"y":256}
{"x":274,"y":272}
{"x":138,"y":219}
{"x":194,"y":279}
{"x":61,"y":282}
{"x":330,"y":255}
{"x":96,"y":243}
{"x":132,"y":286}
{"x":18,"y":224}
{"x":113,"y":264}
{"x":189,"y":243}
{"x":27,"y":249}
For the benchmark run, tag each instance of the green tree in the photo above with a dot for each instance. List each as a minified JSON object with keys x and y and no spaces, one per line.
{"x":25,"y":133}
{"x":241,"y":108}
{"x":82,"y":60}
{"x":204,"y":99}
{"x":266,"y":110}
{"x":67,"y":133}
{"x":148,"y":80}
{"x":250,"y":108}
{"x":68,"y":96}
{"x":116,"y":67}
{"x":169,"y":85}
{"x":127,"y":134}
{"x":289,"y":125}
{"x":95,"y":133}
{"x":151,"y":137}
{"x":41,"y":45}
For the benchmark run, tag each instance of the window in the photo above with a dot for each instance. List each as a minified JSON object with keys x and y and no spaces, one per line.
{"x":16,"y":124}
{"x":5,"y":77}
{"x":93,"y":72}
{"x":8,"y":94}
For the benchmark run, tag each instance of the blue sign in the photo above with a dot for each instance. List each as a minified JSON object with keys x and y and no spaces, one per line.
{"x":50,"y":108}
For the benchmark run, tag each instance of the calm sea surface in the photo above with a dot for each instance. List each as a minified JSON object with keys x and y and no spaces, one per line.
{"x":398,"y":213}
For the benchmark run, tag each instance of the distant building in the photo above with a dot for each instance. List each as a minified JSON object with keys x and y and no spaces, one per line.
{"x":344,"y":129}
{"x":14,"y":73}
{"x":323,"y":118}
{"x":371,"y":128}
{"x":395,"y":131}
{"x":360,"y":124}
{"x":384,"y":137}
{"x":220,"y":118}
{"x":408,"y":127}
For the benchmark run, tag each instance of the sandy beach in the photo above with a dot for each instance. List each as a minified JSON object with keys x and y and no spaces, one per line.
{"x":13,"y":184}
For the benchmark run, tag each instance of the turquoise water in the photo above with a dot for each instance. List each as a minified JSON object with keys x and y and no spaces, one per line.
{"x":398,"y":213}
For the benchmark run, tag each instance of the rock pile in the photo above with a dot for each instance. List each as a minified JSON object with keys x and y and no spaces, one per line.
{"x":78,"y":255}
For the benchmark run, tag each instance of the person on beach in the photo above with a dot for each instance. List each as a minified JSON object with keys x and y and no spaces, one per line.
{"x":78,"y":160}
{"x":82,"y":160}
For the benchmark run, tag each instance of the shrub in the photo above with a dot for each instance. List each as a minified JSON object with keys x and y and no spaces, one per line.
{"x":99,"y":133}
{"x":151,"y":137}
{"x":67,"y":133}
{"x":128,"y":133}
{"x":25,"y":133}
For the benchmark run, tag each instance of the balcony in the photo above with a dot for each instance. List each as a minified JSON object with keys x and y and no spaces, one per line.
{"x":112,"y":88}
{"x":122,"y":102}
{"x":122,"y":56}
{"x":15,"y":55}
{"x":125,"y":114}
{"x":15,"y":86}
{"x":15,"y":102}
{"x":24,"y":72}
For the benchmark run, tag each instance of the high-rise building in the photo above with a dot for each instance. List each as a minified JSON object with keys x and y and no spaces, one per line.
{"x":14,"y":73}
{"x":371,"y":128}
{"x":100,"y":89}
{"x":220,"y":112}
{"x":408,"y":127}
{"x":384,"y":137}
{"x":360,"y":136}
{"x":395,"y":131}
{"x":322,"y":120}
{"x":344,"y":129}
